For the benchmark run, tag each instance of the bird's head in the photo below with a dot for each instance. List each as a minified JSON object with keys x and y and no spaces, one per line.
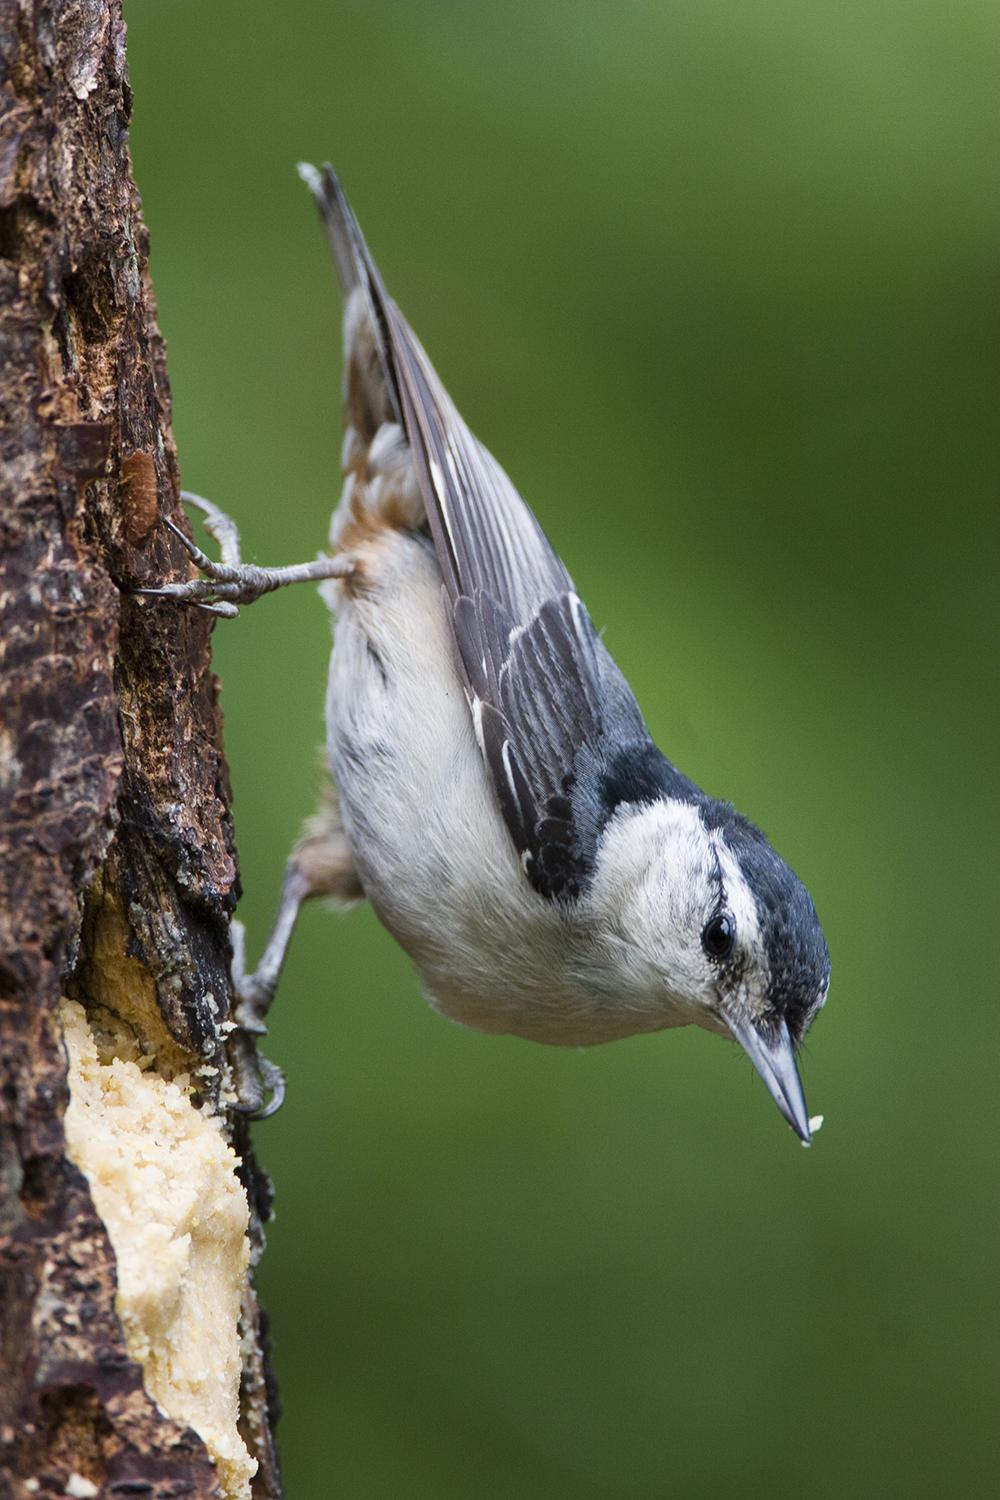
{"x":719,"y":931}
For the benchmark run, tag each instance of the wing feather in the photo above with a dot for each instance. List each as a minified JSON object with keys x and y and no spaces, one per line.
{"x":533,"y":668}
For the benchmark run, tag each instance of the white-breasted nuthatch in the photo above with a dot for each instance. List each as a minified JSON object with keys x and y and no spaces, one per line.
{"x":499,"y":799}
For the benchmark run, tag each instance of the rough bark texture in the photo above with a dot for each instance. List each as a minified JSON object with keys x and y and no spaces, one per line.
{"x":115,"y":834}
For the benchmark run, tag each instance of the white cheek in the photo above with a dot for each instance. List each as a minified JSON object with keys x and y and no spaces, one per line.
{"x":654,"y":882}
{"x":683,"y":967}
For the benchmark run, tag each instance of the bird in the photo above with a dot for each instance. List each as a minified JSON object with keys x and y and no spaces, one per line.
{"x":495,"y":792}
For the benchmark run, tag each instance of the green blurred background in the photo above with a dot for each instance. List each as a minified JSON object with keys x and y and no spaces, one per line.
{"x":713,"y":280}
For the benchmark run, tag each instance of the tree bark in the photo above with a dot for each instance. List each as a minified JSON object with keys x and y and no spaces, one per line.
{"x":118,"y":872}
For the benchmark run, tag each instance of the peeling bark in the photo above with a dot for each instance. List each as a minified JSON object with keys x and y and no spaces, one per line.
{"x":118,"y":872}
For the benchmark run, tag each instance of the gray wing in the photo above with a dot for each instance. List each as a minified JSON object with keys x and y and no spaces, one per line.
{"x":535,"y":673}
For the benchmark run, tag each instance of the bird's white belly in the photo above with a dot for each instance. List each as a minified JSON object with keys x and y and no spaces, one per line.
{"x":434,"y":856}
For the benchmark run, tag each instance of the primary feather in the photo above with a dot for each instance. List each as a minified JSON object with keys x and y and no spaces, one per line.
{"x":537,"y":677}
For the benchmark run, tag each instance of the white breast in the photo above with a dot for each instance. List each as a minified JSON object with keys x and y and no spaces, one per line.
{"x":434,"y":855}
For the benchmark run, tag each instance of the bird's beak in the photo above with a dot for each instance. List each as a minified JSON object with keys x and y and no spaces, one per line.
{"x":774,"y":1059}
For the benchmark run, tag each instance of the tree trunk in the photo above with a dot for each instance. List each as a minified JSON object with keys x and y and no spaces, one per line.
{"x":131,"y":1358}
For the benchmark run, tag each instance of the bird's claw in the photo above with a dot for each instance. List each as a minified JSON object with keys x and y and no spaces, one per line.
{"x":230,"y":582}
{"x":200,"y":593}
{"x":225,"y":584}
{"x":259,"y":1083}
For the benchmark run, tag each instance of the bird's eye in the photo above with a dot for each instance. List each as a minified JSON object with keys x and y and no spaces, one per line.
{"x":718,"y":935}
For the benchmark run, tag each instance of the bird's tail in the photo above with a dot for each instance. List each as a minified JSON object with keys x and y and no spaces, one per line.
{"x":372,"y":381}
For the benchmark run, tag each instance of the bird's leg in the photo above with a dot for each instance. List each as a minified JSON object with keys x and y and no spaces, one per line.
{"x":260,"y":1084}
{"x":321,"y":864}
{"x":257,"y":990}
{"x":231,"y":582}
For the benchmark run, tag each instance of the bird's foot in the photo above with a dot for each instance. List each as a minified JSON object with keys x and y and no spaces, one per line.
{"x":230,"y":582}
{"x":259,"y":1083}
